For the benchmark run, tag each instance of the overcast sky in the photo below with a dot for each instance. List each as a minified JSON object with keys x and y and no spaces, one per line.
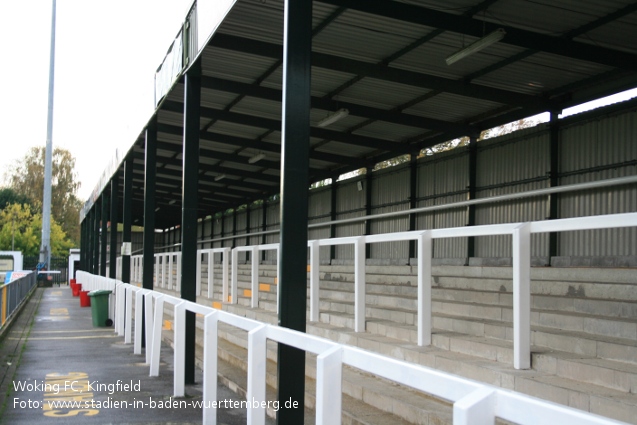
{"x":106,"y":56}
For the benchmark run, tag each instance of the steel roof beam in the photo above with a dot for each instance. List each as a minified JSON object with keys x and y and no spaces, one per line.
{"x":252,"y":90}
{"x":268,"y":123}
{"x":477,"y":28}
{"x":247,"y":185}
{"x":381,"y":72}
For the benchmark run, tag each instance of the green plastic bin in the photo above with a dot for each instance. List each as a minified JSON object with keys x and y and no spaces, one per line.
{"x":99,"y":307}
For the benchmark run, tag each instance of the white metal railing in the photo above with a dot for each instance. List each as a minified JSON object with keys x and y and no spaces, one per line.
{"x":473,"y":402}
{"x":521,"y":252}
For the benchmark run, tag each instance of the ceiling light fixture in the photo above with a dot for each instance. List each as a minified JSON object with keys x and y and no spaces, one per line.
{"x":476,"y":46}
{"x":172,"y":202}
{"x":256,"y":158}
{"x":220,"y":177}
{"x":331,"y":119}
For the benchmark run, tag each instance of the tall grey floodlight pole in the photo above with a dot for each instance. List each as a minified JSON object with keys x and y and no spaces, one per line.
{"x":45,"y":248}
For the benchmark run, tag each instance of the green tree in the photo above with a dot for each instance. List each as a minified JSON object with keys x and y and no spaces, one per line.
{"x":27,"y":179}
{"x":21,"y":230}
{"x":9,"y":196}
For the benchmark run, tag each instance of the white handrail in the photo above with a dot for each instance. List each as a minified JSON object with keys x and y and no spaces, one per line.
{"x":473,"y":402}
{"x":521,"y":240}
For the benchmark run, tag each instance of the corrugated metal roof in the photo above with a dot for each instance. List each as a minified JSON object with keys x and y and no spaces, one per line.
{"x":385,"y":62}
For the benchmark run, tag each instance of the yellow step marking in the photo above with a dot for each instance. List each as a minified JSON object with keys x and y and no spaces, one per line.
{"x":74,"y":387}
{"x":309,"y":268}
{"x":247,"y":293}
{"x":276,"y":280}
{"x":229,"y":298}
{"x":67,"y":337}
{"x":168,"y":325}
{"x":217,"y":305}
{"x":59,"y":312}
{"x":264,"y":287}
{"x":56,"y":293}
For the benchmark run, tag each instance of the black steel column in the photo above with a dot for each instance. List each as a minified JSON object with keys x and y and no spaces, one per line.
{"x":295,"y":141}
{"x":473,"y":173}
{"x":82,"y":243}
{"x":368,"y":210}
{"x":413,"y":196}
{"x":112,"y":270}
{"x":248,"y":230}
{"x":97,"y":219}
{"x":90,"y":231}
{"x":264,"y":226}
{"x":150,"y":171}
{"x":103,"y":242}
{"x":190,"y":192}
{"x":554,"y":174}
{"x":333,"y":194}
{"x":127,"y":219}
{"x":150,"y":174}
{"x":87,"y":246}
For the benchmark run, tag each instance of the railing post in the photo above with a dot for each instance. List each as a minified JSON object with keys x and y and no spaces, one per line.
{"x":314,"y":280}
{"x":424,"y":288}
{"x":148,"y":311}
{"x":278,"y":276}
{"x":129,"y":315}
{"x":329,"y":372}
{"x":210,"y":367}
{"x":254,"y":303}
{"x":522,"y":296}
{"x":158,"y":280}
{"x":235,"y":271}
{"x":478,"y":407}
{"x":198,"y":256}
{"x":225,"y":272}
{"x":359,"y":284}
{"x":120,"y":293}
{"x":158,"y":323}
{"x":139,"y":298}
{"x":178,"y":279}
{"x":179,"y":335}
{"x":257,"y":355}
{"x":211,"y":273}
{"x":171,"y":275}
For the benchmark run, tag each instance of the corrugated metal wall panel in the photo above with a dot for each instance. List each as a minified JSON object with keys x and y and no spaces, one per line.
{"x":390,"y":192}
{"x":600,"y":148}
{"x":599,"y":143}
{"x":443,"y":179}
{"x":517,"y":162}
{"x":319,"y":212}
{"x":348,"y":197}
{"x":319,"y":202}
{"x":272,"y":223}
{"x":241,"y":228}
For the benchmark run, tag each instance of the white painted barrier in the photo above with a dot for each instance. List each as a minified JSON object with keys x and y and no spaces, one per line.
{"x":473,"y":402}
{"x":521,"y":251}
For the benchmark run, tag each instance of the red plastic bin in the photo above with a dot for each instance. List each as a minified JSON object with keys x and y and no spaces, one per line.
{"x":76,"y":289}
{"x":85,"y":300}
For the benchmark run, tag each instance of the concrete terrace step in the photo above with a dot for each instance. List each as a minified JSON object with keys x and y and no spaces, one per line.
{"x":602,"y":386}
{"x":366,"y":400}
{"x":543,"y":383}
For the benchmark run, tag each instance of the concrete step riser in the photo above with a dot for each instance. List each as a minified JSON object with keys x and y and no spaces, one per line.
{"x":455,"y":361}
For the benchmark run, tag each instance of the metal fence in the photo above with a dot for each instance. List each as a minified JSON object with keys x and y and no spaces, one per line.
{"x":58,"y":263}
{"x":473,"y":402}
{"x":14,"y":294}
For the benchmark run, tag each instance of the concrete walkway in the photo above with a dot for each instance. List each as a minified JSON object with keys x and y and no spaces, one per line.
{"x":62,"y":358}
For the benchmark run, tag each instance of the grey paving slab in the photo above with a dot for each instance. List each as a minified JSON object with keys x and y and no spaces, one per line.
{"x":73,"y":373}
